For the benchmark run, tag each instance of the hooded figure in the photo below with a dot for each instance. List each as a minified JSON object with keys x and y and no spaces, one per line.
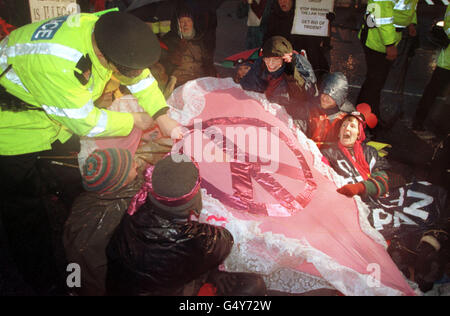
{"x":189,"y":55}
{"x":158,"y":249}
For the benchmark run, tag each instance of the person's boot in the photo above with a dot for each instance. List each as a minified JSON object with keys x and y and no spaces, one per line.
{"x":431,"y":259}
{"x":237,"y":283}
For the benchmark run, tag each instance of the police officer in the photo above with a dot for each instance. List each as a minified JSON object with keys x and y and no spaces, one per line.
{"x":385,"y":20}
{"x":51,"y":73}
{"x":438,"y":82}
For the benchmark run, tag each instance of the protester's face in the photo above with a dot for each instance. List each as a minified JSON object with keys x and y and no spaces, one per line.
{"x":349,"y":132}
{"x":273,"y":63}
{"x":186,"y":26}
{"x":285,"y":5}
{"x":327,"y":102}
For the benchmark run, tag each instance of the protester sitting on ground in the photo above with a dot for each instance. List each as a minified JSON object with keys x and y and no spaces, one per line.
{"x":160,"y":249}
{"x":318,"y":120}
{"x":111,"y":180}
{"x":281,"y":22}
{"x":188,"y":56}
{"x":418,"y":234}
{"x":283,"y":75}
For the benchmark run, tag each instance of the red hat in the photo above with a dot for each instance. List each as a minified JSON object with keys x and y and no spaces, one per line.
{"x":369,"y":118}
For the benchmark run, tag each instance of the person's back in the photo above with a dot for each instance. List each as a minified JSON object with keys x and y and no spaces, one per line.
{"x":109,"y":178}
{"x":159,"y":249}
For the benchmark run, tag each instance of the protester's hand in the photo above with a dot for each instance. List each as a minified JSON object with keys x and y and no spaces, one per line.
{"x":242,"y":70}
{"x":169,"y":127}
{"x":142,"y":120}
{"x":352,"y":189}
{"x":331,"y":16}
{"x":412,"y":30}
{"x":391,"y":52}
{"x":287,"y":58}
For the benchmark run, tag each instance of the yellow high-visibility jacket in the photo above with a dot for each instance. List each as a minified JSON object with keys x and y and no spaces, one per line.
{"x":390,"y":17}
{"x":44,"y":58}
{"x":444,"y":56}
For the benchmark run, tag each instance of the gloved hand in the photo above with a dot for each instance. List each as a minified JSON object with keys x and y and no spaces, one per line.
{"x":352,"y":189}
{"x":391,"y":52}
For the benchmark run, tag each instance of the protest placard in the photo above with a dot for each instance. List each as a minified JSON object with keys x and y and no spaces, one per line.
{"x":310,"y":17}
{"x":46,"y":9}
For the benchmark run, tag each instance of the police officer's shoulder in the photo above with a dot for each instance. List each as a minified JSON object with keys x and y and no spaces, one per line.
{"x":83,"y":69}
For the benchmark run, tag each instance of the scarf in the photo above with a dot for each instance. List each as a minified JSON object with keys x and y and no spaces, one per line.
{"x":359,"y":160}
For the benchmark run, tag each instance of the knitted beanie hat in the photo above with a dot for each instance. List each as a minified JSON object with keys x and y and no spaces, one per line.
{"x":106,"y":170}
{"x":176,"y":187}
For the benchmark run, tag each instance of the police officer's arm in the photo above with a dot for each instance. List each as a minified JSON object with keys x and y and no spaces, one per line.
{"x":150,"y":98}
{"x":412,"y":27}
{"x":71,"y":105}
{"x":384,"y":18}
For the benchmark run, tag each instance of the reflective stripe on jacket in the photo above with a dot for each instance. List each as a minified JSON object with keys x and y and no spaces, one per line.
{"x":389,"y":16}
{"x":444,"y":56}
{"x":44,"y":58}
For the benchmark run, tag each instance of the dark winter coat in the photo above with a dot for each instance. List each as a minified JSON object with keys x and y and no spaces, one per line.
{"x":150,"y":254}
{"x":341,"y":164}
{"x":291,"y":85}
{"x":188,"y":59}
{"x":87,"y":232}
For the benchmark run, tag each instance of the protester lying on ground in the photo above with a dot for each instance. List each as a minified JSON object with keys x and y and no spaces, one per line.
{"x":412,"y":215}
{"x":160,"y":249}
{"x":188,"y":56}
{"x":319,"y":118}
{"x":283,"y":75}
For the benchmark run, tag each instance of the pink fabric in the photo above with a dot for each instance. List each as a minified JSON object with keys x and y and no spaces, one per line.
{"x":294,"y":200}
{"x":126,"y":104}
{"x":130,"y":142}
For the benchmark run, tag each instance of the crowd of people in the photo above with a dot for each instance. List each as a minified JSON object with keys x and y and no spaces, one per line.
{"x":128,"y":221}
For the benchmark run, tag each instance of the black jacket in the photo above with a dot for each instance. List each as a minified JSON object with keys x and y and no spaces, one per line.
{"x":153,"y":255}
{"x":340,"y":163}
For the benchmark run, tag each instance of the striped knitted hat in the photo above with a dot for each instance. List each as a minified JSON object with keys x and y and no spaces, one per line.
{"x":106,"y":170}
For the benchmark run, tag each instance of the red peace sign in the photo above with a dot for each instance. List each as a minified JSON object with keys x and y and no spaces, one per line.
{"x":244,"y":172}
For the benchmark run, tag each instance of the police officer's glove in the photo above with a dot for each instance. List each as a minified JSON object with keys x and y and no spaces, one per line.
{"x":142,"y":120}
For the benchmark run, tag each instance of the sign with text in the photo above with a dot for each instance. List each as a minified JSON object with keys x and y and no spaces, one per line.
{"x":310,"y":17}
{"x":46,"y":9}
